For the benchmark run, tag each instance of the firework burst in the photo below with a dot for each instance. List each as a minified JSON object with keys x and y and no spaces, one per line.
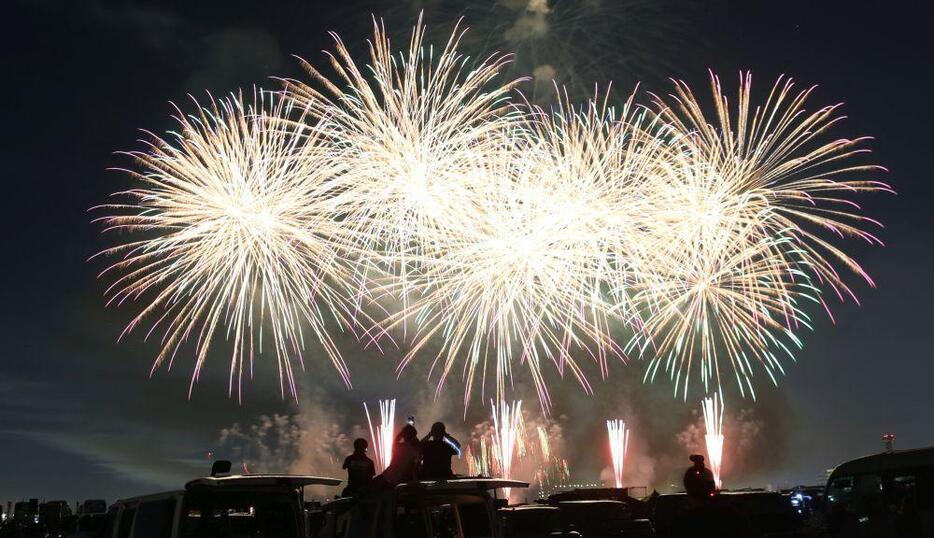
{"x":231,"y":232}
{"x":522,"y":277}
{"x":407,"y":127}
{"x":505,"y":235}
{"x":738,"y":232}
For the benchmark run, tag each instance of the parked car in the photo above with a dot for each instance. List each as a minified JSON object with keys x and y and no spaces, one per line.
{"x":636,"y":506}
{"x":806,"y":499}
{"x":596,"y":518}
{"x":253,"y":506}
{"x":457,"y":508}
{"x":764,"y":513}
{"x":530,"y":521}
{"x":888,"y":494}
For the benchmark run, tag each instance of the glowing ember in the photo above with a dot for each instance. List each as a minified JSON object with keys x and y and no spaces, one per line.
{"x":383,"y":435}
{"x":713,"y":419}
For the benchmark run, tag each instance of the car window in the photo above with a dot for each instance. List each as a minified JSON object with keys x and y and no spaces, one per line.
{"x":868,"y":497}
{"x":126,"y":522}
{"x":91,"y":523}
{"x":410,"y":522}
{"x":239,"y":515}
{"x":154,"y":519}
{"x":925,"y":489}
{"x":475,"y":520}
{"x":841,"y":490}
{"x":109,"y":521}
{"x":900,"y":488}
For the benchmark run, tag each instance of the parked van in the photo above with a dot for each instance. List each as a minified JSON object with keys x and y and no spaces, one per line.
{"x":456,"y":508}
{"x":888,"y":494}
{"x":254,"y":506}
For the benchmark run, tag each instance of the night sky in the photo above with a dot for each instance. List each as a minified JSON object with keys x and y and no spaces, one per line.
{"x":79,"y":415}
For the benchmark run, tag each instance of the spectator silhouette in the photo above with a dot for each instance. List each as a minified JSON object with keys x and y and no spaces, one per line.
{"x":708,"y":514}
{"x":698,"y":479}
{"x":360,"y":469}
{"x":437,"y":449}
{"x":405,"y":457}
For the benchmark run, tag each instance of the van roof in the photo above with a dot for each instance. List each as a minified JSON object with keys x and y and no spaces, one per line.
{"x":462,"y":484}
{"x":725,"y":493}
{"x":262,"y":480}
{"x":896,"y":459}
{"x":528,"y":508}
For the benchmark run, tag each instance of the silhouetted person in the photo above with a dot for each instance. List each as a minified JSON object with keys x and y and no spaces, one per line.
{"x":698,"y":479}
{"x":405,"y":457}
{"x":437,"y":449}
{"x":708,"y":515}
{"x":360,"y":469}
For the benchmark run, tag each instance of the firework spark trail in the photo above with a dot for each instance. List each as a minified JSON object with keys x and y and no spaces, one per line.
{"x":383,"y":436}
{"x":231,"y":233}
{"x":507,"y":430}
{"x":619,"y":442}
{"x":738,"y":249}
{"x":479,"y":461}
{"x":543,"y":442}
{"x":713,"y":421}
{"x":553,"y":470}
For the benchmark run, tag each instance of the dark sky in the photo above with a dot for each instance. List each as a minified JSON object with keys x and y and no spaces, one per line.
{"x":79,"y":416}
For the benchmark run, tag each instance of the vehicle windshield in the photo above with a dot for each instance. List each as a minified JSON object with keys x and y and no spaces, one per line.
{"x":443,"y":516}
{"x":212,"y":514}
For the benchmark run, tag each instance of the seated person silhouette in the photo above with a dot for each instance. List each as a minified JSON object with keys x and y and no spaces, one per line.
{"x":360,"y":469}
{"x":698,"y":479}
{"x":708,"y":514}
{"x":405,"y":457}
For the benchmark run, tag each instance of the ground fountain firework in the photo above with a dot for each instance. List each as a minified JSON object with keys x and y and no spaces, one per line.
{"x":619,"y":442}
{"x":384,"y":434}
{"x":713,"y":422}
{"x":507,"y":432}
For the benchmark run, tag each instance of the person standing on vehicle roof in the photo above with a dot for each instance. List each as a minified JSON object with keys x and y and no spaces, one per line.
{"x":406,"y":454}
{"x":437,"y":449}
{"x":360,"y":469}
